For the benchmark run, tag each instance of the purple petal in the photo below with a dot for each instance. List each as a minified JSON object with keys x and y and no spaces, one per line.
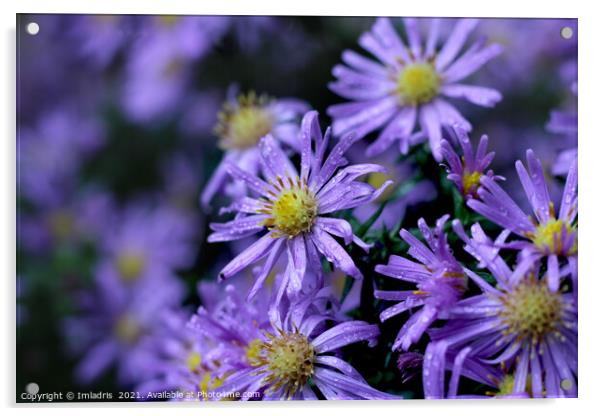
{"x":237,"y":229}
{"x":455,"y":42}
{"x":433,"y":35}
{"x":297,"y":258}
{"x":344,"y":334}
{"x":337,"y":363}
{"x":309,"y":128}
{"x":356,"y":387}
{"x":433,"y":370}
{"x":336,"y":226}
{"x":470,"y":62}
{"x":568,"y":206}
{"x":252,"y":181}
{"x":266,"y":269}
{"x":483,"y":96}
{"x":96,"y":361}
{"x":411,"y":26}
{"x":334,"y":253}
{"x":456,"y":371}
{"x":252,"y":254}
{"x":276,"y":163}
{"x":431,"y":124}
{"x":449,"y":115}
{"x":215,"y":183}
{"x":400,"y":127}
{"x":363,"y":64}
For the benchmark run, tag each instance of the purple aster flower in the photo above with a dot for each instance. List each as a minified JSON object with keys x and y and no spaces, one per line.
{"x":439,"y":358}
{"x":146,"y":244}
{"x":98,"y":38}
{"x":199,"y":353}
{"x":78,"y":218}
{"x":292,"y":208}
{"x":221,"y":339}
{"x":118,"y":326}
{"x":296,"y":355}
{"x":50,"y":153}
{"x":466,"y":171}
{"x":242,"y":123}
{"x":439,"y":278}
{"x":409,"y":85}
{"x":134,"y":286}
{"x":159,"y":70}
{"x":520,"y":323}
{"x":520,"y":66}
{"x":545,"y":234}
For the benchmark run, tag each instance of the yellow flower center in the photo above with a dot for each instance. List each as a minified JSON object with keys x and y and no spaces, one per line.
{"x":289,"y":358}
{"x":208,"y":382}
{"x":193,"y":361}
{"x":531,"y":310}
{"x":61,"y":224}
{"x":548,"y":237}
{"x":127,"y":329}
{"x":130,"y":266}
{"x":168,"y":20}
{"x":418,"y":83}
{"x":377,"y":179}
{"x":506,"y":386}
{"x":294,"y":211}
{"x":242,"y":127}
{"x":471,"y":182}
{"x":254,"y":350}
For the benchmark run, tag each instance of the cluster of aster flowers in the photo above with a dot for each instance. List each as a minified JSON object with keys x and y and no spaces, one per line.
{"x":316,"y":267}
{"x":511,"y":327}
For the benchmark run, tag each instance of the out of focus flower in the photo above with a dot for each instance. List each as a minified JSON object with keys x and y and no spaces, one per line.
{"x":134,"y":287}
{"x":98,"y":38}
{"x":242,"y":123}
{"x":77,"y":219}
{"x":522,"y":66}
{"x":520,"y":323}
{"x":466,"y":171}
{"x":439,"y":278}
{"x":546,"y":234}
{"x":295,"y":357}
{"x":159,"y":68}
{"x":249,"y":31}
{"x":118,"y":326}
{"x":565,"y":123}
{"x":50,"y":153}
{"x":144,"y":245}
{"x":292,"y":208}
{"x":409,"y":84}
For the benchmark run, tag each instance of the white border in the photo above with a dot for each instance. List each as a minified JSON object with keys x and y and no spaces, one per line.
{"x":590,"y":30}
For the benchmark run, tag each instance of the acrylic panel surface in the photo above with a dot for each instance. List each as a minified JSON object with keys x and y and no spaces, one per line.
{"x":273,"y":208}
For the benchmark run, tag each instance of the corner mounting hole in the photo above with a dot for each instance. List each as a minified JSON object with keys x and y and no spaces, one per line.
{"x":32,"y":28}
{"x":566,"y":32}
